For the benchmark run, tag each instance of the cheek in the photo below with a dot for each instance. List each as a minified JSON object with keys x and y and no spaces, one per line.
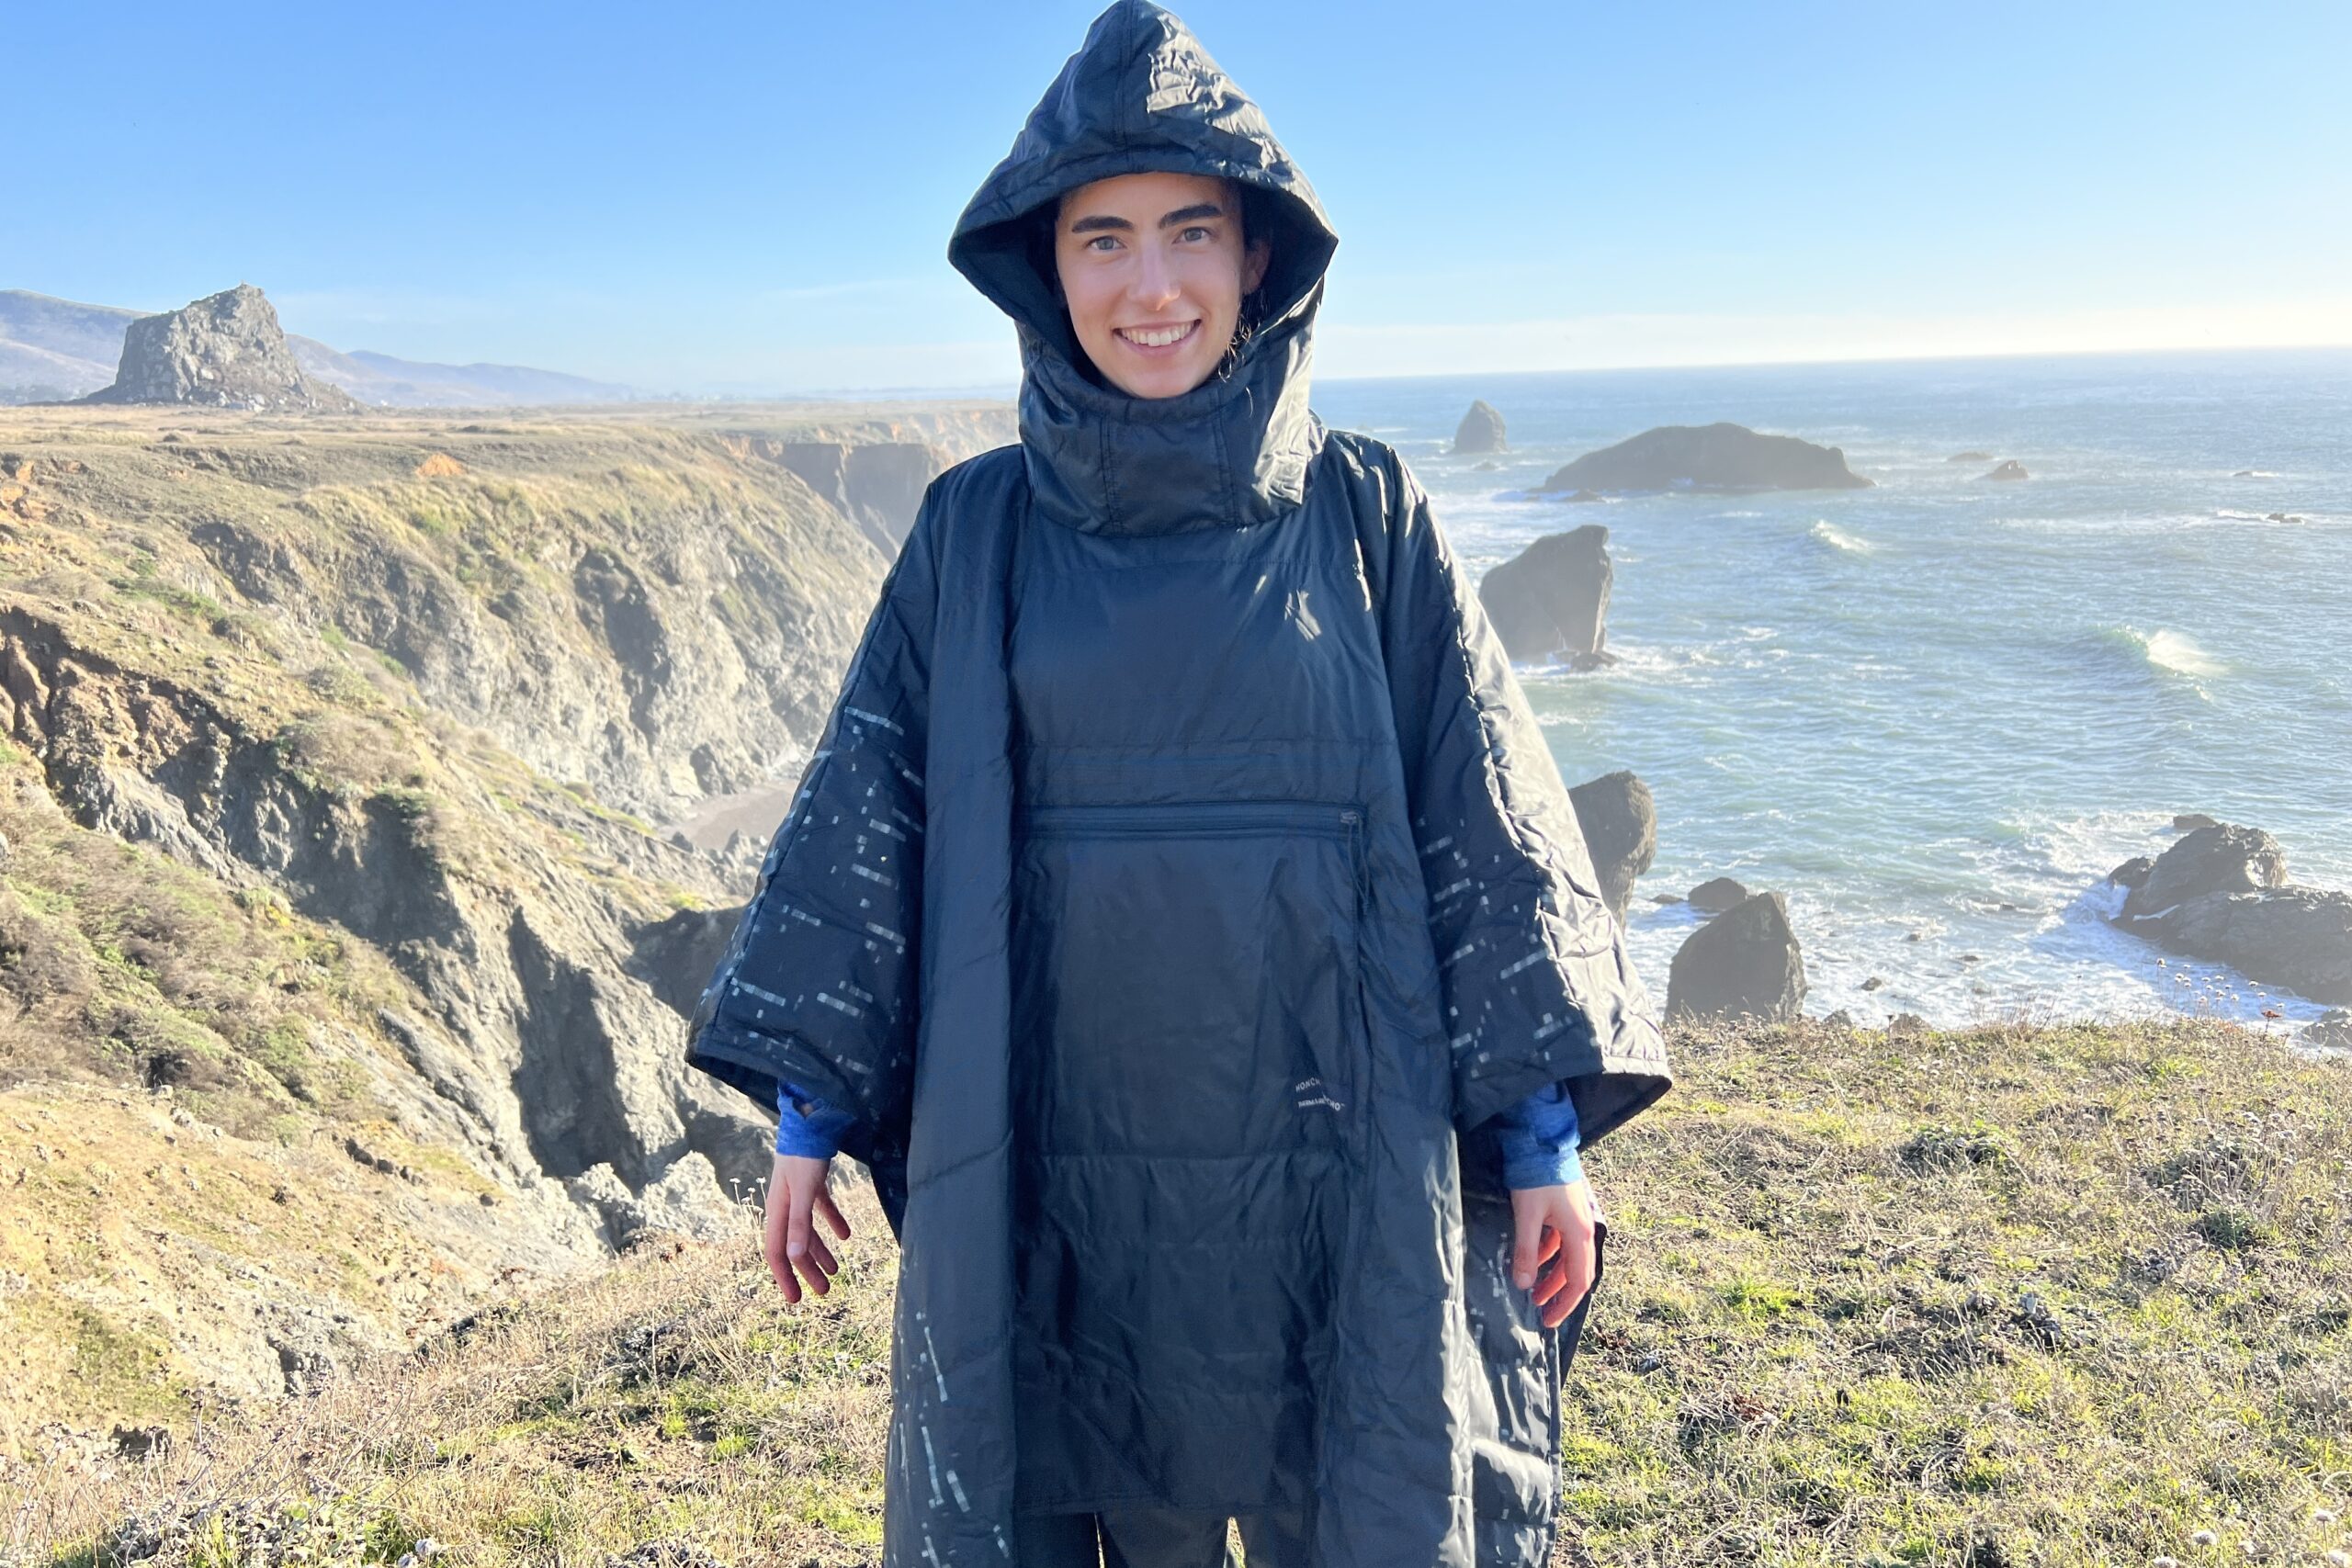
{"x":1215,"y":283}
{"x":1090,"y":293}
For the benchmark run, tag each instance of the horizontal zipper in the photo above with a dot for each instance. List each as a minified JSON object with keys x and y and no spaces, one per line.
{"x":1194,"y":817}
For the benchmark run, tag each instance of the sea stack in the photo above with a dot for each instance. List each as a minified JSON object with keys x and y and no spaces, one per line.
{"x":1743,"y":964}
{"x":1480,"y":432}
{"x":224,"y":351}
{"x":1708,"y":457}
{"x":1552,"y":599}
{"x":1620,"y":822}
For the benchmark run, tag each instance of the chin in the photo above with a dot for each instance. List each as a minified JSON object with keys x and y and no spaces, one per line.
{"x":1167,"y":380}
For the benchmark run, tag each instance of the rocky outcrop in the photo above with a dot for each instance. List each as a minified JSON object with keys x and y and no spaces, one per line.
{"x":1620,"y":823}
{"x":2223,"y":858}
{"x":1743,"y":964}
{"x":374,"y":706}
{"x":223,"y":351}
{"x":1711,"y":456}
{"x":1480,"y":432}
{"x":2221,"y":895}
{"x":1550,"y":601}
{"x":2331,"y":1030}
{"x":1969,"y":457}
{"x":2010,"y":470}
{"x":1716,"y":895}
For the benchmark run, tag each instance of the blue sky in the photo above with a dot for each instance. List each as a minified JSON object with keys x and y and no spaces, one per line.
{"x":758,"y":196}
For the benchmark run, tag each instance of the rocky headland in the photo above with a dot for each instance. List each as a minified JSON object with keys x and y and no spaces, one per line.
{"x":338,"y":763}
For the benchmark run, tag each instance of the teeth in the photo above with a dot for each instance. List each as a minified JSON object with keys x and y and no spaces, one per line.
{"x":1156,"y":337}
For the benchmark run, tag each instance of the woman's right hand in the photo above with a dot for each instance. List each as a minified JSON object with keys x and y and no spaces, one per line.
{"x":797,"y":1191}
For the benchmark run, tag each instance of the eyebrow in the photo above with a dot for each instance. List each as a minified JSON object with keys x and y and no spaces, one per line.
{"x":1181,"y":215}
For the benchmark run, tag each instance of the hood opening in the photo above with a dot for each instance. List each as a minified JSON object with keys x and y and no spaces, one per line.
{"x":1140,"y":95}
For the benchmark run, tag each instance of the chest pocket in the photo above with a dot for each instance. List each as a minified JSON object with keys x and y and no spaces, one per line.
{"x":1188,"y":976}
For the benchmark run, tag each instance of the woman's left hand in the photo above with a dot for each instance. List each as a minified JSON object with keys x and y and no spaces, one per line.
{"x":1552,"y":1228}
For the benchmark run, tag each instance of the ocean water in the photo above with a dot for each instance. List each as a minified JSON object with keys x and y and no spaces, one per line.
{"x":1934,"y":714}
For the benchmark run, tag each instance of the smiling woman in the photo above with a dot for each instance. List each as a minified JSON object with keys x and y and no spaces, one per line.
{"x":1184,"y":919}
{"x":1153,"y":268}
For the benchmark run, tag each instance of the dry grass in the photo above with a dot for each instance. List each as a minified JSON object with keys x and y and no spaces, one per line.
{"x":2017,"y":1295}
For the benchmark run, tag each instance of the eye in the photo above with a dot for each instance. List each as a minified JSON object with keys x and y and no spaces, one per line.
{"x":1191,"y":230}
{"x":1104,"y":243}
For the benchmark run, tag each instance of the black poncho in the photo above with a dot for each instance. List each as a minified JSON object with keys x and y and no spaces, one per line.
{"x":1178,"y":884}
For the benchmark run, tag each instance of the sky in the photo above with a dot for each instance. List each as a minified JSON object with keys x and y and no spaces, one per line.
{"x":756,"y":197}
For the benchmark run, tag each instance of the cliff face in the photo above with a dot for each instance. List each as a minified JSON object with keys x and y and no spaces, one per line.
{"x":328,"y":805}
{"x":223,"y":351}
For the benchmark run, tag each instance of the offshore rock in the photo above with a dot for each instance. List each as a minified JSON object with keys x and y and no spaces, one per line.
{"x":1743,"y":964}
{"x":1480,"y":432}
{"x":1552,"y":599}
{"x":1711,"y":456}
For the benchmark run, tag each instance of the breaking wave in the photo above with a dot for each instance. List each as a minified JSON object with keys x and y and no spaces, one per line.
{"x":1837,"y":539}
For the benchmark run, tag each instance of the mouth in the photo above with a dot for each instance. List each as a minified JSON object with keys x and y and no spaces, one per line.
{"x":1160,"y":339}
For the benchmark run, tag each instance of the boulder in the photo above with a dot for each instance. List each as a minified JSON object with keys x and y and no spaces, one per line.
{"x":2332,"y":1030}
{"x":1711,"y":457}
{"x":2221,"y":895}
{"x":2190,"y":821}
{"x":1716,"y":895}
{"x":1552,"y":599}
{"x":223,"y":351}
{"x":1743,"y":964}
{"x":2012,"y":470}
{"x":1480,"y":432}
{"x":2296,"y":938}
{"x":2219,"y":858}
{"x":1620,"y":823}
{"x":1969,"y":457}
{"x":2132,"y":873}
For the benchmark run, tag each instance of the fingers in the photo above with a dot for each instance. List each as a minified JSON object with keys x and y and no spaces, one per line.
{"x":801,"y":1249}
{"x":833,"y":1215}
{"x":779,"y":1212}
{"x":796,"y":1255}
{"x":1552,"y":1249}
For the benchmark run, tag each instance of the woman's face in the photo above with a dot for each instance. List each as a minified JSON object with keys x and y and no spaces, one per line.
{"x":1153,"y":270}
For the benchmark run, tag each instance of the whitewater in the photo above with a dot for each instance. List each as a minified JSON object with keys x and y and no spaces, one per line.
{"x":1934,"y":714}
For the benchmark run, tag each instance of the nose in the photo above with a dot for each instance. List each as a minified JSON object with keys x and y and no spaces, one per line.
{"x":1154,"y":285}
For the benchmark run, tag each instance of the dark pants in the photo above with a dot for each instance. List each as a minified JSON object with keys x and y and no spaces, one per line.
{"x":1159,"y":1538}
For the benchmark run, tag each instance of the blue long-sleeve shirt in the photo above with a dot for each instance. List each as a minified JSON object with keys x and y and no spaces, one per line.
{"x":1539,"y":1133}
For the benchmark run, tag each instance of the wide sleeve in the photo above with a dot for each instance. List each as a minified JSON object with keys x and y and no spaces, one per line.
{"x":820,"y":985}
{"x":1535,"y":980}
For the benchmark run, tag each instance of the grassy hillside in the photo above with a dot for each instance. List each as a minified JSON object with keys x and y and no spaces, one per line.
{"x":332,"y":758}
{"x":2017,"y":1295}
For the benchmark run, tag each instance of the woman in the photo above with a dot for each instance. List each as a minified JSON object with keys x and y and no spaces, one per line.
{"x":1178,"y":914}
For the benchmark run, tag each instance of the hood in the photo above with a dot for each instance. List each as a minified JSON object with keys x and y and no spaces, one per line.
{"x":1141,"y":95}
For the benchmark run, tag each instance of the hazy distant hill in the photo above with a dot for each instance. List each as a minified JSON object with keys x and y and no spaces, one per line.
{"x":53,"y":349}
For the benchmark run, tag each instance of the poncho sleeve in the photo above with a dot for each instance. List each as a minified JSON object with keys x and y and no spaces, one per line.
{"x":1535,"y":984}
{"x":820,"y":985}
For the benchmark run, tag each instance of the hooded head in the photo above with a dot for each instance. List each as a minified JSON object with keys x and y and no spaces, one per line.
{"x":1142,"y":95}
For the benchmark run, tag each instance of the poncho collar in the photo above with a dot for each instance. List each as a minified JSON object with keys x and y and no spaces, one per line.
{"x":1142,"y":95}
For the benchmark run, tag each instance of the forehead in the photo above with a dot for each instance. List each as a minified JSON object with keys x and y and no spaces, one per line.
{"x":1144,"y":196}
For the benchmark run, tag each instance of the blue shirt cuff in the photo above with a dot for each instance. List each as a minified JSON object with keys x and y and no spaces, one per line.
{"x":1539,"y":1139}
{"x":806,"y":1126}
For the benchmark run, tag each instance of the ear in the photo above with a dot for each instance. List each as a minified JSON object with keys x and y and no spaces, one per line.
{"x":1254,"y":261}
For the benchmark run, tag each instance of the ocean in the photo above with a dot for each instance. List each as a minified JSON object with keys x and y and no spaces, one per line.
{"x":1935,"y":714}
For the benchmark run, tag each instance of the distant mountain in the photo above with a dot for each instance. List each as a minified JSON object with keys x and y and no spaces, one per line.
{"x":54,"y":349}
{"x":407,"y":383}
